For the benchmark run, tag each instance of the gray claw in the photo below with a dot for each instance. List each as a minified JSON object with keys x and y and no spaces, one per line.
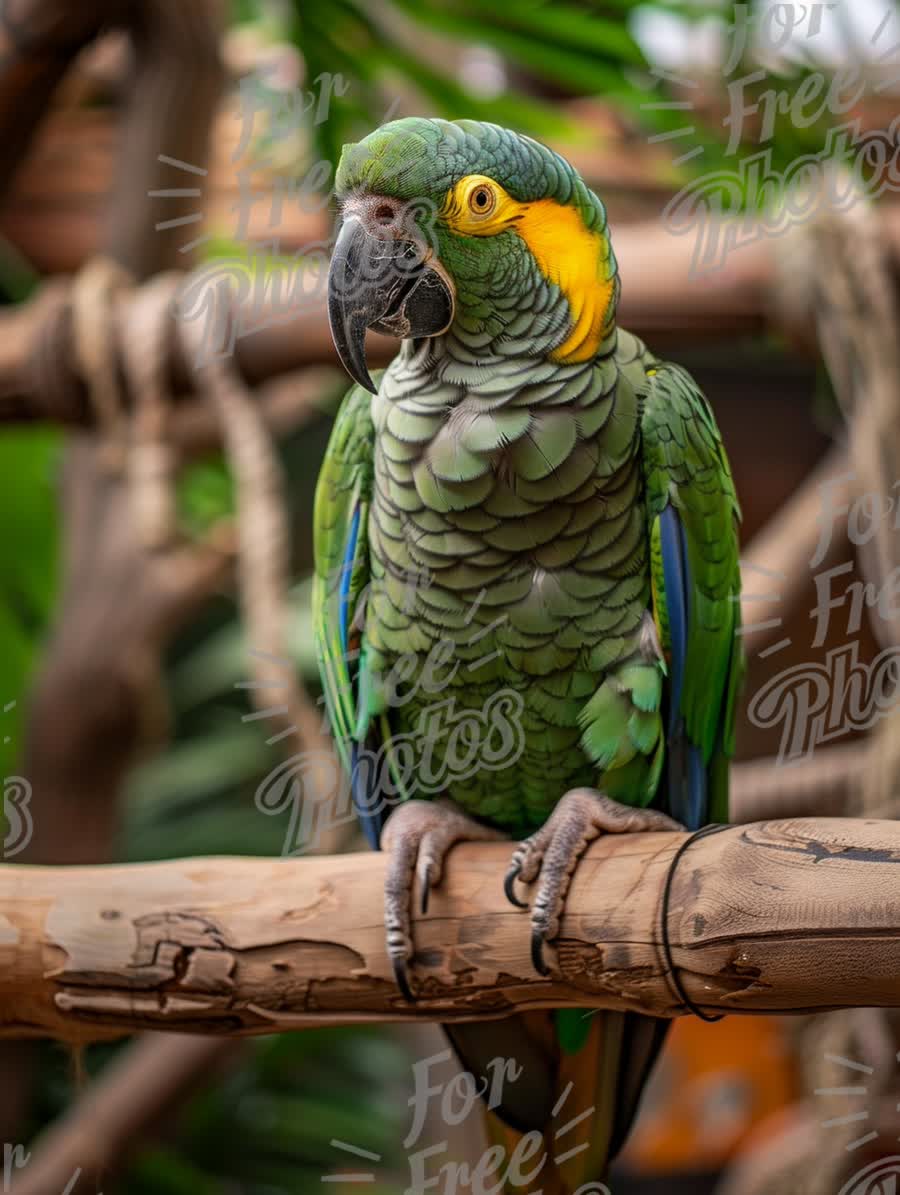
{"x":426,"y":890}
{"x":402,"y":978}
{"x":417,"y":838}
{"x":509,"y":887}
{"x":537,"y":953}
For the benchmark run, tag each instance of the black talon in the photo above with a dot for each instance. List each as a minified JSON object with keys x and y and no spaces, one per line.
{"x":509,"y":888}
{"x":537,"y":953}
{"x":400,"y":976}
{"x":426,"y":891}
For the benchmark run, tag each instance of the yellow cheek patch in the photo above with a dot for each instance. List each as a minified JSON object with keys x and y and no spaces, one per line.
{"x":567,"y":253}
{"x":574,"y":258}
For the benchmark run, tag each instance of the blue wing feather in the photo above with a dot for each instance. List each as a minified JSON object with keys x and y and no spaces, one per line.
{"x":366,"y":793}
{"x":693,"y":514}
{"x":674,"y":560}
{"x":342,"y":572}
{"x":696,"y":812}
{"x":686,"y":773}
{"x":364,"y":771}
{"x":344,"y":613}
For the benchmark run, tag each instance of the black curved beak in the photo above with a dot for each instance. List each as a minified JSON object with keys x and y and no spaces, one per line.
{"x":391,"y":284}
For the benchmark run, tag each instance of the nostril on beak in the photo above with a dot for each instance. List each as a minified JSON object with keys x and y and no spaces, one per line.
{"x":384,"y":214}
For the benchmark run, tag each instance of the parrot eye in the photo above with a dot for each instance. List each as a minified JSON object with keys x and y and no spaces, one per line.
{"x":482,"y":201}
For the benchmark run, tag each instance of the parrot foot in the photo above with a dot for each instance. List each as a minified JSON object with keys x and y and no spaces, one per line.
{"x":418,"y":836}
{"x":580,"y":816}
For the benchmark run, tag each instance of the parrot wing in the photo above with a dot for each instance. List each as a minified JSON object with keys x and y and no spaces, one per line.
{"x":693,"y":517}
{"x":342,"y":574}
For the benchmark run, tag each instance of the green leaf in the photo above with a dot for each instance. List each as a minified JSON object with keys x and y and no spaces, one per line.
{"x":28,"y":569}
{"x":515,"y":110}
{"x":563,"y":25}
{"x":158,"y":1171}
{"x":205,"y":495}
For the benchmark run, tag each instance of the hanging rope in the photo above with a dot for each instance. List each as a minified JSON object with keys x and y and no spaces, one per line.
{"x":95,"y":293}
{"x":123,"y":337}
{"x":263,"y":556}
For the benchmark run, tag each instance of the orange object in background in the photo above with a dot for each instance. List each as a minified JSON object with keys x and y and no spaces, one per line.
{"x":713,"y":1086}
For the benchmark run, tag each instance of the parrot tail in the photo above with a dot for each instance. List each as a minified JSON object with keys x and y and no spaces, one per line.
{"x":579,"y":1080}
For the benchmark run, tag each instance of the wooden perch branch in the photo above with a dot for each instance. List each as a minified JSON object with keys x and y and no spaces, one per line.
{"x":789,"y":916}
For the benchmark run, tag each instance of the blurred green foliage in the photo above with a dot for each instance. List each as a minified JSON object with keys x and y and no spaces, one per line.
{"x":571,"y":48}
{"x":266,"y":1125}
{"x":28,"y":569}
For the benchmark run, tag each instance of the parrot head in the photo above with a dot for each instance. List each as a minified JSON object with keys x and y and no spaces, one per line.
{"x":460,"y":221}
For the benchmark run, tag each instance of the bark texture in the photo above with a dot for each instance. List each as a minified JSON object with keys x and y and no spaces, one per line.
{"x":788,"y":916}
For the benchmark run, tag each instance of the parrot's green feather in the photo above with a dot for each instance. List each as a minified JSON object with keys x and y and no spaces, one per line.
{"x":573,"y":1025}
{"x":345,"y":486}
{"x":686,"y":466}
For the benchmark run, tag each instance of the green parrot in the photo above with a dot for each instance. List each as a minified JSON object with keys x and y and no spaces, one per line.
{"x":527,"y":581}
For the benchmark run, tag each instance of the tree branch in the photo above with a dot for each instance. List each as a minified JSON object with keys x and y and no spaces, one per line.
{"x":789,"y":916}
{"x":38,"y":40}
{"x":172,"y":96}
{"x":38,"y":381}
{"x":828,"y":784}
